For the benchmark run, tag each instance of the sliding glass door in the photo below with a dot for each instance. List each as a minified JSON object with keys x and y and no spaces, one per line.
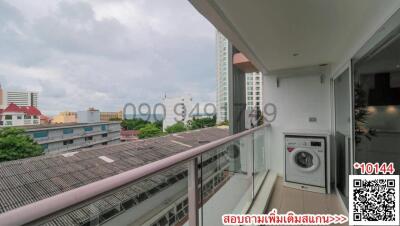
{"x":342,"y":136}
{"x":377,"y":104}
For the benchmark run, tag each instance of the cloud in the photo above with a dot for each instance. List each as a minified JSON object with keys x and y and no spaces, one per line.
{"x":80,"y":54}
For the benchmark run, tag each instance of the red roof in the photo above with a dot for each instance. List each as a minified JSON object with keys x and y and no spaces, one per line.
{"x":29,"y":110}
{"x":13,"y":108}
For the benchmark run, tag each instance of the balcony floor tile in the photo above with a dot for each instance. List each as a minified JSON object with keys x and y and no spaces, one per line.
{"x":289,"y":199}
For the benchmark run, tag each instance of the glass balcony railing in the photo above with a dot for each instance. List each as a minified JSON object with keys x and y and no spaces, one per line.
{"x":194,"y":187}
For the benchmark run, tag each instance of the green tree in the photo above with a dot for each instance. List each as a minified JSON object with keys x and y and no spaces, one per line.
{"x":158,"y":124}
{"x":134,"y":124}
{"x":149,"y":130}
{"x":203,"y":122}
{"x":15,"y":144}
{"x":176,"y":128}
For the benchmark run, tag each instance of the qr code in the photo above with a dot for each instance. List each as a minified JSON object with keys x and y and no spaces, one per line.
{"x":374,"y":200}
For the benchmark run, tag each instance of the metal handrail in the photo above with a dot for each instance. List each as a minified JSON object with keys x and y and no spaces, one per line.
{"x":34,"y":211}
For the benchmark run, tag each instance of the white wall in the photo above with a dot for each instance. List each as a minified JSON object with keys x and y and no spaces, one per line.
{"x":177,"y":109}
{"x":88,"y":116}
{"x":296,"y":99}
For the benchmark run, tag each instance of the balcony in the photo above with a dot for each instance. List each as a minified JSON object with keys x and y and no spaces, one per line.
{"x":198,"y":185}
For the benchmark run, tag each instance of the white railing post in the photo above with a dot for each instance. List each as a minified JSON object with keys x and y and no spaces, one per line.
{"x":193,"y":192}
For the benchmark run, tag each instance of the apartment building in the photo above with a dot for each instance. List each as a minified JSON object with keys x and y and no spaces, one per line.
{"x":72,"y":136}
{"x":65,"y":117}
{"x":106,"y":116}
{"x":253,"y":82}
{"x":253,"y":90}
{"x":177,"y":109}
{"x":222,"y":78}
{"x":89,"y":116}
{"x":20,"y":98}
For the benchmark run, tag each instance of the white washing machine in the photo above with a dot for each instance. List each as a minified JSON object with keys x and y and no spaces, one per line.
{"x":306,"y":162}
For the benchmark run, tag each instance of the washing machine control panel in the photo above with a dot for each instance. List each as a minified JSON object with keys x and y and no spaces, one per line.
{"x":316,"y":144}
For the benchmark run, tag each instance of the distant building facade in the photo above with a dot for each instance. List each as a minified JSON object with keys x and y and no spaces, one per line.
{"x":90,"y":116}
{"x":222,"y":78}
{"x":67,"y":137}
{"x":19,"y":98}
{"x":253,"y":91}
{"x":253,"y":82}
{"x":177,"y":109}
{"x":107,"y":116}
{"x":14,"y":115}
{"x":65,"y":117}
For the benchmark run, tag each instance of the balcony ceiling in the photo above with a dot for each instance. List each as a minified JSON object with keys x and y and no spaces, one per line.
{"x":284,"y":34}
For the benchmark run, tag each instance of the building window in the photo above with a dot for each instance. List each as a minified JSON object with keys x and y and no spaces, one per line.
{"x":88,"y":129}
{"x":66,"y":142}
{"x":88,"y":138}
{"x":104,"y":135}
{"x":40,"y":134}
{"x":68,"y":131}
{"x":19,"y":117}
{"x":27,"y":117}
{"x":8,"y":117}
{"x":103,"y":127}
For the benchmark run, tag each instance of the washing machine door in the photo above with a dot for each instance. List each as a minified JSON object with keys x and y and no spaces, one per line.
{"x":305,"y":160}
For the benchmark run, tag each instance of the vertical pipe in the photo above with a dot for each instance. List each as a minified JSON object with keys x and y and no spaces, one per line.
{"x":193,"y":192}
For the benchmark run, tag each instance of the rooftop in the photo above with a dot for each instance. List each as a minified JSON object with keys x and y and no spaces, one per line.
{"x":29,"y":180}
{"x":64,"y":125}
{"x":28,"y":110}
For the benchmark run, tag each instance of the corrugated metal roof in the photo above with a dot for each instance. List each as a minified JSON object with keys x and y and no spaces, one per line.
{"x":30,"y":180}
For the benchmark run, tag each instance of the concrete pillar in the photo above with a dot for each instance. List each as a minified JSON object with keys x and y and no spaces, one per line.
{"x":237,"y":94}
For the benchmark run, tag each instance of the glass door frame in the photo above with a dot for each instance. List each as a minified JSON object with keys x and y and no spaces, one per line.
{"x":349,"y":139}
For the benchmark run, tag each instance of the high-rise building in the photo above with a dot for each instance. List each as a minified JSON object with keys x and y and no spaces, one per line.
{"x":253,"y":91}
{"x":19,"y":98}
{"x":222,"y":78}
{"x":253,"y":82}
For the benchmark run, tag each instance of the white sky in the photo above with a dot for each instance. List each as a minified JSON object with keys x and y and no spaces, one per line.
{"x":105,"y":53}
